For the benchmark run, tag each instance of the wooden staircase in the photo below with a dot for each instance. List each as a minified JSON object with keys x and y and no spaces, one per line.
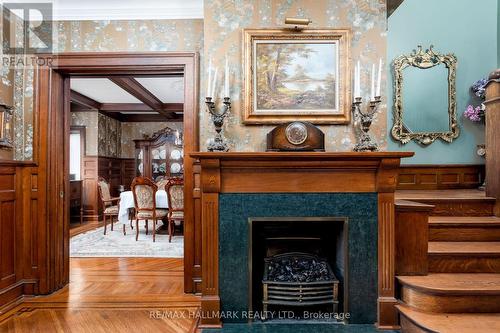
{"x":461,"y":292}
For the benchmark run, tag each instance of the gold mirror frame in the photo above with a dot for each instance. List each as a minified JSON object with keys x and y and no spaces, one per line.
{"x":424,"y":60}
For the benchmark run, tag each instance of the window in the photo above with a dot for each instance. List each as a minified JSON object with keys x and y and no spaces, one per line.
{"x":75,"y":155}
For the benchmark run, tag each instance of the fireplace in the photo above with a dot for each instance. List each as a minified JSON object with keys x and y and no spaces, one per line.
{"x":233,"y":187}
{"x":298,"y":264}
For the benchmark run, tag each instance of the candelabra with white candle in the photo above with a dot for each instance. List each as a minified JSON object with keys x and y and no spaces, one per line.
{"x":218,"y":143}
{"x":365,"y":142}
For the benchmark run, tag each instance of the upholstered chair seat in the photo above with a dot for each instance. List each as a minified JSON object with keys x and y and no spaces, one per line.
{"x":177,"y":215}
{"x":160,"y":213}
{"x":111,"y":210}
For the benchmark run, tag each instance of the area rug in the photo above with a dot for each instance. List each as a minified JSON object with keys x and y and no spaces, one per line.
{"x":114,"y":244}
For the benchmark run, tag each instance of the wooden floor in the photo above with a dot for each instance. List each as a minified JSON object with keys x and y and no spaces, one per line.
{"x":77,"y":228}
{"x":111,"y":295}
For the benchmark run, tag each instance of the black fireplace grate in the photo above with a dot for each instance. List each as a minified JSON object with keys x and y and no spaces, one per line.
{"x":298,"y":279}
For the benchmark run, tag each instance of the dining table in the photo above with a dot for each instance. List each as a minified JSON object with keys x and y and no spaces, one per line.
{"x":127,"y":202}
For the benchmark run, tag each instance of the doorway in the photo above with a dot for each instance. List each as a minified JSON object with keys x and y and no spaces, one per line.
{"x":54,"y":106}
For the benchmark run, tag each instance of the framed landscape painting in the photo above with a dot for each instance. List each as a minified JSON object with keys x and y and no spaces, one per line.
{"x":296,"y":75}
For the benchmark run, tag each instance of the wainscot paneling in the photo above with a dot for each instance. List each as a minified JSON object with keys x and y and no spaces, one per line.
{"x":17,"y":226}
{"x":440,"y":177}
{"x":90,"y":194}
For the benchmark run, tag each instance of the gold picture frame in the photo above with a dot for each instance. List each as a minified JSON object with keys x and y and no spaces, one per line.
{"x":314,"y":84}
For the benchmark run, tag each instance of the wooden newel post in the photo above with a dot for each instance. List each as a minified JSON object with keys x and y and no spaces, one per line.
{"x":493,"y":138}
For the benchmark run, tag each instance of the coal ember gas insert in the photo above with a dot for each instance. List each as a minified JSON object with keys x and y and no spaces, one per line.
{"x":298,"y":266}
{"x":298,"y":279}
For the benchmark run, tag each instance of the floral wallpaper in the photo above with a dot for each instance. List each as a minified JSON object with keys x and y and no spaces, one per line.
{"x":6,"y":75}
{"x":109,"y":136}
{"x":89,"y":120}
{"x":16,"y":86}
{"x":221,"y":31}
{"x":137,"y":35}
{"x":224,"y":21}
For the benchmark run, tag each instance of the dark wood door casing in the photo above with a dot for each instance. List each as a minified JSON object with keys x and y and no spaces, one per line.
{"x":34,"y":195}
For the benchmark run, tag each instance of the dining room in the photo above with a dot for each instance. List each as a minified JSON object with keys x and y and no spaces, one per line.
{"x":126,"y":148}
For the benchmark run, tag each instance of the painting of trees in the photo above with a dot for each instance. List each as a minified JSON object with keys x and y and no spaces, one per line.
{"x":296,"y":76}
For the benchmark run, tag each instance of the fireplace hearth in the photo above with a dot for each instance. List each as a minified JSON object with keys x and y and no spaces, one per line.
{"x":298,"y":279}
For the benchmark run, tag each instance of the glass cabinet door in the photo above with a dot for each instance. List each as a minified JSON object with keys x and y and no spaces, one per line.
{"x":139,"y":162}
{"x":158,"y":162}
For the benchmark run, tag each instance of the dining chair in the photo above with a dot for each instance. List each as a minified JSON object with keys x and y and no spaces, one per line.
{"x":161,"y":183}
{"x":175,"y":195}
{"x":110,"y":210}
{"x":144,"y":192}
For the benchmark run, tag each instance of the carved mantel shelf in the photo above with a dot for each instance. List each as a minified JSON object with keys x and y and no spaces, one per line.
{"x":299,"y":172}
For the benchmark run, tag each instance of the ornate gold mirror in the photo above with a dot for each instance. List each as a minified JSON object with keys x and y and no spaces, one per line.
{"x":425,"y":106}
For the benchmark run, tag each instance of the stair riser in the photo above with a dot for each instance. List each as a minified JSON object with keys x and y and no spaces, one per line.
{"x":464,"y":234}
{"x":460,"y":207}
{"x":407,"y":326}
{"x":450,"y":303}
{"x":463,"y":264}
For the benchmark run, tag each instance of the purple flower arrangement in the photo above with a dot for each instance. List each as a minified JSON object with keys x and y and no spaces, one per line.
{"x":476,"y":113}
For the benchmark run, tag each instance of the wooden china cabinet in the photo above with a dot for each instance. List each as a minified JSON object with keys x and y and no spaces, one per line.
{"x":160,"y":155}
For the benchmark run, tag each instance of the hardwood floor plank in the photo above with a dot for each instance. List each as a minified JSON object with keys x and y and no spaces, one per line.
{"x":111,"y":295}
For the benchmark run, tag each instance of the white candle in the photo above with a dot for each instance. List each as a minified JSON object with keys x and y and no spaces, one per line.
{"x":358,"y":80}
{"x":379,"y":78}
{"x":372,"y":91}
{"x":355,"y":81}
{"x":226,"y":79}
{"x":214,"y":82}
{"x":209,"y":79}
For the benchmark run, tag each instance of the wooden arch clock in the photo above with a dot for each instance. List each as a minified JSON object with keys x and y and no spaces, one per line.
{"x":296,"y":136}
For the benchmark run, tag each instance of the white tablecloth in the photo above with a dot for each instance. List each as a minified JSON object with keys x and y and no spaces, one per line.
{"x":127,"y":201}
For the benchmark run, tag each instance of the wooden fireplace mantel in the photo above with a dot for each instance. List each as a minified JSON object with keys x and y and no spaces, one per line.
{"x":299,"y":172}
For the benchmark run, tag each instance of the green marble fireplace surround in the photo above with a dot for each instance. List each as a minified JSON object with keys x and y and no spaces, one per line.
{"x":361,"y":211}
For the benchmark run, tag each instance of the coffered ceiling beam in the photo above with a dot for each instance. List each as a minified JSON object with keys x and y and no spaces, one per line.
{"x":148,"y":118}
{"x":84,"y":101}
{"x":140,"y":107}
{"x":134,"y":88}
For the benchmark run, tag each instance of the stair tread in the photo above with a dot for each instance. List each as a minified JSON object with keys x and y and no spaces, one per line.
{"x":455,"y":283}
{"x":465,"y":248}
{"x":464,"y":220}
{"x":443,"y":195}
{"x":453,"y":322}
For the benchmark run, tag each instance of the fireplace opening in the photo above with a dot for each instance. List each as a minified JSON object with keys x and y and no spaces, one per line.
{"x":299,"y":266}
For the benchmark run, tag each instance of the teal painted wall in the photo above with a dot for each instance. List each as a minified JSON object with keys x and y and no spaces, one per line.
{"x":467,"y":28}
